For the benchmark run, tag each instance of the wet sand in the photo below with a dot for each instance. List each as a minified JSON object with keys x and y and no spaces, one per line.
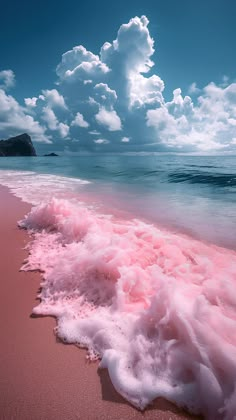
{"x":40,"y":377}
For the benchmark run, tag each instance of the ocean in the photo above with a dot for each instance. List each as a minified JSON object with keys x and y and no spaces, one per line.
{"x":191,"y":194}
{"x":139,"y":263}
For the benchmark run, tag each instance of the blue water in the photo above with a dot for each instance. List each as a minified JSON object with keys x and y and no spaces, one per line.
{"x":191,"y":194}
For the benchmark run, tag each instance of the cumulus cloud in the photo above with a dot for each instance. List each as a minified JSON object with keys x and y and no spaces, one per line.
{"x":51,"y":110}
{"x":105,"y":94}
{"x":63,"y":129}
{"x":79,"y":63}
{"x":53,"y":98}
{"x":80,"y":121}
{"x":208,"y":125}
{"x":7,"y":79}
{"x":133,"y":44}
{"x":145,"y":90}
{"x":50,"y":118}
{"x":31,"y":102}
{"x":109,"y":119}
{"x":15,"y":120}
{"x":115,"y":91}
{"x":129,"y":55}
{"x":53,"y":124}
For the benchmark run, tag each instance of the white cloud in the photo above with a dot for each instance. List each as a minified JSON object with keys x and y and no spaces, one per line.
{"x":193,"y":89}
{"x":145,"y":90}
{"x":94,"y":132}
{"x":7,"y":79}
{"x":91,"y":101}
{"x":53,"y":124}
{"x":101,"y":141}
{"x":73,"y":58}
{"x":134,"y":45}
{"x":50,"y":118}
{"x":117,"y":85}
{"x":63,"y":129}
{"x":130,"y":53}
{"x":31,"y":102}
{"x":54,"y":98}
{"x":15,"y":120}
{"x":80,"y":121}
{"x":209,"y":125}
{"x":232,"y":121}
{"x":105,"y":94}
{"x":109,"y":119}
{"x":79,"y":63}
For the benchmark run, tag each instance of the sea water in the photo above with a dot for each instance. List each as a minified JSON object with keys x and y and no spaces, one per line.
{"x":139,"y":263}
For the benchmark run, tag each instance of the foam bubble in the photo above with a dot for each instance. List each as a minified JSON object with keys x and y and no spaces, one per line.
{"x":157,"y":309}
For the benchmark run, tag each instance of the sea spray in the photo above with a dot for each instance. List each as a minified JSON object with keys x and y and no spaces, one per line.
{"x":158,"y":309}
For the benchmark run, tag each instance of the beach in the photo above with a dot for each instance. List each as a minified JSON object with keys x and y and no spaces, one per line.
{"x":42,"y":378}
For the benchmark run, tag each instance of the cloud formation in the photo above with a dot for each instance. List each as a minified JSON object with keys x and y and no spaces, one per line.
{"x":53,"y":98}
{"x":14,"y":120}
{"x":114,"y":101}
{"x":208,"y":125}
{"x":78,"y":63}
{"x":52,"y":122}
{"x":109,"y":119}
{"x":80,"y":121}
{"x":7,"y":79}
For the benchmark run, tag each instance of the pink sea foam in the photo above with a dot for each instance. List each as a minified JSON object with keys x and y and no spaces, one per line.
{"x":158,"y":309}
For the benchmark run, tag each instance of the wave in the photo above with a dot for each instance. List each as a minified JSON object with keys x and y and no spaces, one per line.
{"x":200,"y":177}
{"x":157,"y":309}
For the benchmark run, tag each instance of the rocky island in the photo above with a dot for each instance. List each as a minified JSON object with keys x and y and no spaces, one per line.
{"x":51,"y":154}
{"x":17,"y":146}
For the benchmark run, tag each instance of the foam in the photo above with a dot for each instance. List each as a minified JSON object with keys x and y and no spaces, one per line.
{"x":157,"y":309}
{"x":33,"y":188}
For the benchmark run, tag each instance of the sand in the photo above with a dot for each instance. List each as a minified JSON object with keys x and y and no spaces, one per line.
{"x":40,"y":377}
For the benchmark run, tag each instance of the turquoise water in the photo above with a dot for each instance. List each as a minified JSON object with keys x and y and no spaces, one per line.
{"x":191,"y":194}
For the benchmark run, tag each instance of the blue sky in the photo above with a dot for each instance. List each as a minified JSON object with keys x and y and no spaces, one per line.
{"x":193,"y":51}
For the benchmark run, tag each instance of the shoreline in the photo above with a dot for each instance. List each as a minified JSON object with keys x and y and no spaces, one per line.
{"x":41,"y":377}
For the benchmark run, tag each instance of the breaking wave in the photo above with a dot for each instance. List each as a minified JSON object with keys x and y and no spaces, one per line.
{"x":158,"y":309}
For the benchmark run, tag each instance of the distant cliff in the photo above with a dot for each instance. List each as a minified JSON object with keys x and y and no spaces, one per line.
{"x":17,"y":146}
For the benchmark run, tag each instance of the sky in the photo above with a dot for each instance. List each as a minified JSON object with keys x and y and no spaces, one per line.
{"x":127,"y":76}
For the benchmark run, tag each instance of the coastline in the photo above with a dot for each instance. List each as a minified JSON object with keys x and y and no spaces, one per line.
{"x":41,"y":378}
